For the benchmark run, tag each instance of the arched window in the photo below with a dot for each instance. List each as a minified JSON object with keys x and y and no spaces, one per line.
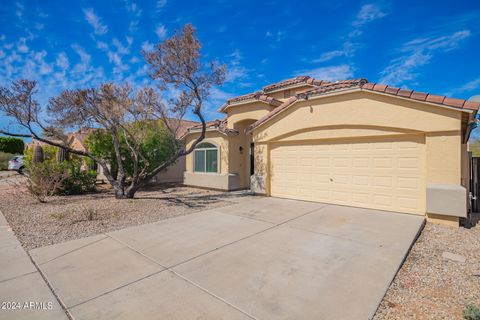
{"x":205,"y":157}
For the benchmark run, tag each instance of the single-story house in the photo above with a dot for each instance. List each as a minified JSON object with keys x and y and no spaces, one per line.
{"x":350,"y":142}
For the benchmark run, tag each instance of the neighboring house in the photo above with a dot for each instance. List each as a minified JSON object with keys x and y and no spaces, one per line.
{"x":348,"y":142}
{"x":174,"y":173}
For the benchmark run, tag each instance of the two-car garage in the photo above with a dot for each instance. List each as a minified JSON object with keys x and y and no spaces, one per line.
{"x":367,"y":150}
{"x":380,"y":173}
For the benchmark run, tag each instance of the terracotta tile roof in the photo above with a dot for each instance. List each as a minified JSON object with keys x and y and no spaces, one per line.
{"x":219,"y":125}
{"x":248,"y":96}
{"x":363,"y":84}
{"x":293,"y":81}
{"x":422,"y":96}
{"x":263,"y":94}
{"x":332,"y":86}
{"x":256,"y":96}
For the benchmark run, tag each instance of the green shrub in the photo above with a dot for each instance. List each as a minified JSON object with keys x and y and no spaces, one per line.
{"x":67,"y":178}
{"x":11,"y":145}
{"x":49,"y":154}
{"x":4,"y":158}
{"x":471,"y":312}
{"x":155,"y":141}
{"x":45,"y":179}
{"x":78,"y":180}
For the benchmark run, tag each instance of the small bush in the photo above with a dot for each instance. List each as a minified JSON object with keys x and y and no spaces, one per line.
{"x":49,"y":178}
{"x":45,"y":179}
{"x":471,"y":312}
{"x":78,"y":180}
{"x":11,"y":145}
{"x":4,"y":158}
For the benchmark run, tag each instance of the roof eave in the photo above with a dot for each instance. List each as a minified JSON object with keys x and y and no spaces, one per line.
{"x":357,"y":89}
{"x":287,"y":87}
{"x":420,"y":101}
{"x":243,"y":102}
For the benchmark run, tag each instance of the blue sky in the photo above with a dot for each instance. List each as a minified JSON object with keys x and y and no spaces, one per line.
{"x":430,"y":46}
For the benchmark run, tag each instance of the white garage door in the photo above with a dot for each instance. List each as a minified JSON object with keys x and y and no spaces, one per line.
{"x":386,"y":173}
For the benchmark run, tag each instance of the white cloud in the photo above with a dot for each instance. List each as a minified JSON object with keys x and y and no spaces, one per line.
{"x":120,"y":47}
{"x":472,"y":86}
{"x":161,"y":31}
{"x":417,"y":53}
{"x":235,"y":71}
{"x":102,"y":45}
{"x":331,"y":73}
{"x":98,"y":27}
{"x":161,"y":4}
{"x":82,"y":53}
{"x":348,"y":50}
{"x":62,"y":61}
{"x":368,"y":13}
{"x":22,"y":45}
{"x":19,"y":9}
{"x":135,"y":12}
{"x":278,"y":36}
{"x":147,"y":46}
{"x":215,"y":100}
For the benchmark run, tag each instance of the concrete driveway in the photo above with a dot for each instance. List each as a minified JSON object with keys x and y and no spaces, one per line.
{"x":262,"y":258}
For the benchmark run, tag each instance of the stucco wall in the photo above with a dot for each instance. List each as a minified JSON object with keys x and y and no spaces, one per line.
{"x":358,"y":111}
{"x":254,"y":110}
{"x":174,"y":173}
{"x":218,"y":139}
{"x":363,"y":114}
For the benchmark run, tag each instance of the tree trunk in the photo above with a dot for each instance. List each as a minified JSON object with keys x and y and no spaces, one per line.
{"x":132,"y":189}
{"x":119,"y":191}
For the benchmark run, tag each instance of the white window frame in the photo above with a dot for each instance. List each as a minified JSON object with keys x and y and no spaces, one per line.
{"x":205,"y":157}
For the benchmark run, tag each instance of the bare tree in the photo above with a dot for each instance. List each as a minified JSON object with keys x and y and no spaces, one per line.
{"x":174,"y":63}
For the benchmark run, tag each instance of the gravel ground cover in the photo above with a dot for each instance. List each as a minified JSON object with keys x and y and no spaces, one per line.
{"x":432,"y":286}
{"x":66,"y":218}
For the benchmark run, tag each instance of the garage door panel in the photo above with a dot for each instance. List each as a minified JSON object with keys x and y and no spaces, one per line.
{"x":384,"y":174}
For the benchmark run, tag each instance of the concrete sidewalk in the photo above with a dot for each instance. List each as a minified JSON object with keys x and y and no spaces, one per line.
{"x":23,"y":292}
{"x":263,"y":258}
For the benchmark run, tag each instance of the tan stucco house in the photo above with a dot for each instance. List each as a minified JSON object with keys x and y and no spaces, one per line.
{"x":348,"y":142}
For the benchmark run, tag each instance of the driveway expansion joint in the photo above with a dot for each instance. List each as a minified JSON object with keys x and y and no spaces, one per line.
{"x":71,"y":251}
{"x":60,"y":302}
{"x":173,"y":272}
{"x":117,"y":288}
{"x":19,"y":276}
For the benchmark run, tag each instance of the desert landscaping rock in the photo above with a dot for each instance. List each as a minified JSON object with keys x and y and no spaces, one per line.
{"x":65,"y":218}
{"x":429,"y":286}
{"x":453,"y":257}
